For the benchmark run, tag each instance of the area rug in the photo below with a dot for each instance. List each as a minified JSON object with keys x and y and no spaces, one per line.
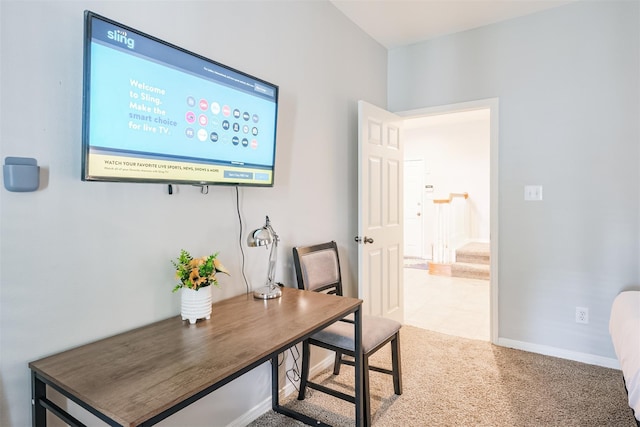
{"x":419,"y":263}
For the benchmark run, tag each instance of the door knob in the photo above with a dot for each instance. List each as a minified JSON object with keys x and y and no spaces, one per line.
{"x":366,"y":239}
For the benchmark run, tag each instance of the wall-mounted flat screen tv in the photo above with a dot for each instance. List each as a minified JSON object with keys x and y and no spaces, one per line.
{"x":154,"y":112}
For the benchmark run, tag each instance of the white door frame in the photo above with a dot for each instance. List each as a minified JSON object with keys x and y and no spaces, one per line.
{"x":492,"y":105}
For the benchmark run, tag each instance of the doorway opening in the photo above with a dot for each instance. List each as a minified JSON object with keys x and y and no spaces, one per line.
{"x":450,"y":209}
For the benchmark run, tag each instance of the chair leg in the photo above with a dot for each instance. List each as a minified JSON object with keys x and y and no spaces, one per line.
{"x":336,"y":363}
{"x":366,"y":396}
{"x":396,"y":364}
{"x":304,"y":375}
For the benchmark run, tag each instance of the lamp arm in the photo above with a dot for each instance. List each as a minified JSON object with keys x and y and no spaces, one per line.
{"x":273,"y":257}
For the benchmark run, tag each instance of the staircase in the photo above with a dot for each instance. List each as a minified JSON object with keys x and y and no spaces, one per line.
{"x":472,"y":261}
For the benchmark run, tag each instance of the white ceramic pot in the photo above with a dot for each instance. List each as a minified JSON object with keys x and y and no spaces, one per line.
{"x":196,"y":304}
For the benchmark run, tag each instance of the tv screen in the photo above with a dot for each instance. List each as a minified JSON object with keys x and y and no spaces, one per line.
{"x":154,"y":112}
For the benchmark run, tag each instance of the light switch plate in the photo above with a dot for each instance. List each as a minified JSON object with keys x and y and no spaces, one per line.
{"x":533,"y":192}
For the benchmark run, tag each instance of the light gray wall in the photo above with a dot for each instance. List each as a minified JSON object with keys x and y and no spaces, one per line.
{"x":567,"y":80}
{"x":81,"y":261}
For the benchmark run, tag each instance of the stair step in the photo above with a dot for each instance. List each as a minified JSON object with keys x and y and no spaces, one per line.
{"x":470,"y":270}
{"x":474,"y":253}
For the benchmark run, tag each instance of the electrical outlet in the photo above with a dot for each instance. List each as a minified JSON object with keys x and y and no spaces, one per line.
{"x":582,"y":315}
{"x":533,"y":192}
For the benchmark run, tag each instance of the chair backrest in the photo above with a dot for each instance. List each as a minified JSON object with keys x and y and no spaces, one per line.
{"x":318,"y":268}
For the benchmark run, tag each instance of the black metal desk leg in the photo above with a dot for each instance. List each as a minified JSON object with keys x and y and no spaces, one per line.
{"x":38,"y":391}
{"x":360,"y":419}
{"x":275,"y":403}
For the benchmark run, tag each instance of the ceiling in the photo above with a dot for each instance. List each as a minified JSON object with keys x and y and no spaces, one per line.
{"x":394,"y":23}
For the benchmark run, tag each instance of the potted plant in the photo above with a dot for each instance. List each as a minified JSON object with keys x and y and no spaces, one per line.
{"x":196,"y":276}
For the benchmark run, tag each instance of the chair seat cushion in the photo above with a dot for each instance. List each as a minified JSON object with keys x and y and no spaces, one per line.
{"x":375,"y":330}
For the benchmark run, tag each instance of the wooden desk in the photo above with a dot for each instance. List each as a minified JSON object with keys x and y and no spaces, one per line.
{"x":140,"y":377}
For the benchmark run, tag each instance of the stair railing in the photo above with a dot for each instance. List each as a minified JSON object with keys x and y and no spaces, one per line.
{"x":450,"y":228}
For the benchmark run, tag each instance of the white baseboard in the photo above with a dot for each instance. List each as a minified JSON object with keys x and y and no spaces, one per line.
{"x":285,"y":391}
{"x":591,"y":359}
{"x":252,"y":414}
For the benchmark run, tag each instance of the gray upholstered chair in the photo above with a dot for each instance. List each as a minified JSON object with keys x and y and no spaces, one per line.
{"x":318,"y":269}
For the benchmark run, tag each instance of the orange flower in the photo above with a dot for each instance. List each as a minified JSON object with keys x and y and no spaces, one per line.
{"x":196,"y":279}
{"x":219,"y":267}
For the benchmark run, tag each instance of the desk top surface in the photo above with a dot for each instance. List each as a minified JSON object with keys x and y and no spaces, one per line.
{"x":134,"y":376}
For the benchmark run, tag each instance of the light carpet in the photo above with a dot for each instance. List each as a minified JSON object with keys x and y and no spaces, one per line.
{"x":452,"y":381}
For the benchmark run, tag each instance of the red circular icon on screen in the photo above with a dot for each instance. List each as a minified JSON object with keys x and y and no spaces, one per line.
{"x":226,"y":110}
{"x":204,"y":105}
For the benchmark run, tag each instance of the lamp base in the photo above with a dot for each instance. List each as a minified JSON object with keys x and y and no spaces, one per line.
{"x":267,"y":292}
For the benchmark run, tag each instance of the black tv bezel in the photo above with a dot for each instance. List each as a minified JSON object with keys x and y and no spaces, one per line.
{"x":87,"y":36}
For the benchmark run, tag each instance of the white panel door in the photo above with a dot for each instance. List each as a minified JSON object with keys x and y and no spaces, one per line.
{"x":380,"y":212}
